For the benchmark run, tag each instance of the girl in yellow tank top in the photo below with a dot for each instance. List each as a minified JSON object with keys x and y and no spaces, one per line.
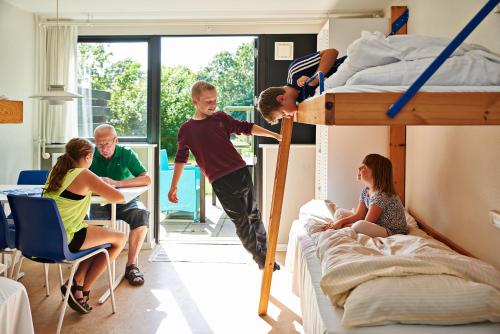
{"x":70,"y":184}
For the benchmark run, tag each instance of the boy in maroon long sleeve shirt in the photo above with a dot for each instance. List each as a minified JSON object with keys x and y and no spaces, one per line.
{"x":207,"y":136}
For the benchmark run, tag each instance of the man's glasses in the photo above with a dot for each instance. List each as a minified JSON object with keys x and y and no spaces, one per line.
{"x":106,"y":144}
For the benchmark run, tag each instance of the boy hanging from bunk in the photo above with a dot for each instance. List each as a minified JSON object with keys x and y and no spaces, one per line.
{"x":276,"y":102}
{"x":207,"y":136}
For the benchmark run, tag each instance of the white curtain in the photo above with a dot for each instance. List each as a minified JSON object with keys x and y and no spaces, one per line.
{"x":56,"y":63}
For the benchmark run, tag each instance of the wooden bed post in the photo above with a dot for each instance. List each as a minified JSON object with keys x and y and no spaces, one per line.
{"x":275,"y":217}
{"x":397,"y":133}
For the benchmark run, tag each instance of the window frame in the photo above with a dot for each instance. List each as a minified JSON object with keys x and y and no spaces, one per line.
{"x":153,"y":84}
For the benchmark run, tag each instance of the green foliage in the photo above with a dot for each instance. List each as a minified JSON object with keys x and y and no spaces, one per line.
{"x":232,"y":74}
{"x":126,"y":82}
{"x":175,"y":104}
{"x":128,"y":98}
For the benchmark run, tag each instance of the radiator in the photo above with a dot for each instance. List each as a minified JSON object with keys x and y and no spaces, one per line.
{"x":55,"y":156}
{"x":122,"y":226}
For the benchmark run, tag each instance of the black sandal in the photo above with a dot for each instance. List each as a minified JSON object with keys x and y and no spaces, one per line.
{"x":132,"y":276}
{"x":78,"y":304}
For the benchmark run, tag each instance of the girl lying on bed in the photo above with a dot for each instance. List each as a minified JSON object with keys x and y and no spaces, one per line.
{"x":380,"y":212}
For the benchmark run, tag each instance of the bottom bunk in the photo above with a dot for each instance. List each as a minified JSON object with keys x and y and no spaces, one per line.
{"x":318,"y":314}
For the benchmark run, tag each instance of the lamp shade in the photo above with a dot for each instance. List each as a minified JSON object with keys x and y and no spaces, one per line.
{"x":56,"y":95}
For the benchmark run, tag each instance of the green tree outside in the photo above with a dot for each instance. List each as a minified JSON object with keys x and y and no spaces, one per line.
{"x":232,"y":74}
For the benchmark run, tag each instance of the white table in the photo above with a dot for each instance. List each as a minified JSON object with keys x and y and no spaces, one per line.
{"x":129,"y":193}
{"x":15,"y":311}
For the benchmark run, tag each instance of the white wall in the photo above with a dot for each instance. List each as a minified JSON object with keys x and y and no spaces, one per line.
{"x":453,"y":172}
{"x":445,"y":18}
{"x":17,"y":77}
{"x":348,"y":145}
{"x":344,"y":30}
{"x":299,"y":186}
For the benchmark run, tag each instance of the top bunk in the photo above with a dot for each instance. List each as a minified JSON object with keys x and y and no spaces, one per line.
{"x":361,"y":106}
{"x":380,"y":81}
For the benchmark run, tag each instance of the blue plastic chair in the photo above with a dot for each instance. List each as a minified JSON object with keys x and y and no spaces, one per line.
{"x":188,"y":188}
{"x":28,"y":177}
{"x":37,"y":177}
{"x":7,"y":242}
{"x":40,"y":236}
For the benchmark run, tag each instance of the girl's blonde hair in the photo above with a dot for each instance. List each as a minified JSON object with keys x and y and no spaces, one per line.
{"x":381,"y":168}
{"x":75,"y":149}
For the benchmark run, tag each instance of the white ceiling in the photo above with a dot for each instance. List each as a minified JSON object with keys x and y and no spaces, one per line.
{"x":197,"y":9}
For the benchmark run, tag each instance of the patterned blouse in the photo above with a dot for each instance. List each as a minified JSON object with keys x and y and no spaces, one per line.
{"x":392,"y":217}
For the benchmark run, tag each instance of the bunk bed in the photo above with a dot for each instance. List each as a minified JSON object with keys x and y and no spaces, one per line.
{"x":395,"y":107}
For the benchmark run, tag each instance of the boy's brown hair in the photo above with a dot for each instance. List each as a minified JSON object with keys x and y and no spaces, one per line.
{"x":381,"y":168}
{"x":268,"y":105}
{"x":199,"y":87}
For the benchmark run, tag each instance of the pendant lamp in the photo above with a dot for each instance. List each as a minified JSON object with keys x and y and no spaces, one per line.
{"x":56,"y":94}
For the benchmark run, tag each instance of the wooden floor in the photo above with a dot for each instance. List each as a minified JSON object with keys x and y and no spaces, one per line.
{"x":178,"y":297}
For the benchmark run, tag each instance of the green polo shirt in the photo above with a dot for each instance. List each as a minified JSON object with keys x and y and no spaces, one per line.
{"x":123,"y":165}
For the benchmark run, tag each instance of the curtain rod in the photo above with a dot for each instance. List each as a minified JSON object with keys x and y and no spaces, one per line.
{"x":315,"y":19}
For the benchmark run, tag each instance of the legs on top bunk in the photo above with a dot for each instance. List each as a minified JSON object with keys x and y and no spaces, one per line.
{"x":276,"y":206}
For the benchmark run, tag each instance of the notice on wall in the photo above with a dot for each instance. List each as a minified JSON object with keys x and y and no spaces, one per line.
{"x":11,"y":111}
{"x":283,"y":50}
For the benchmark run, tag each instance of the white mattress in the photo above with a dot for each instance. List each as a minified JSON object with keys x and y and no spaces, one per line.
{"x":320,"y":317}
{"x":402,"y":89}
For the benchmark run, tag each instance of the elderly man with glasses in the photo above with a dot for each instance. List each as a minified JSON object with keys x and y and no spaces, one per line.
{"x":120,"y":167}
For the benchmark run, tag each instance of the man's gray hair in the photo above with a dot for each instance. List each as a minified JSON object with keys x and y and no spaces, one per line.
{"x":105,"y":127}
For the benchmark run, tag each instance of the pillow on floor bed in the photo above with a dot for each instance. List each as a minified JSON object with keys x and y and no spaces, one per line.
{"x":421,"y":299}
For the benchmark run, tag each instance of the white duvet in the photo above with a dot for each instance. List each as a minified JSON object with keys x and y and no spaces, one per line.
{"x":398,"y":60}
{"x":349,"y":259}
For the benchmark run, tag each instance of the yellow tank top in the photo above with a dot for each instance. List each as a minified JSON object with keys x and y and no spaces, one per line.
{"x":72,"y":211}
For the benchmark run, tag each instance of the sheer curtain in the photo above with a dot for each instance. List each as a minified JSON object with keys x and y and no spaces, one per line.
{"x":56,"y":63}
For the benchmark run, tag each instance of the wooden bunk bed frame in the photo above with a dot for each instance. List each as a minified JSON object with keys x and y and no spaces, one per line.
{"x":425,"y":108}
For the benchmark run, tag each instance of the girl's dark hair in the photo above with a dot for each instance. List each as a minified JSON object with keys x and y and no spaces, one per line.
{"x":75,"y":149}
{"x":381,"y":168}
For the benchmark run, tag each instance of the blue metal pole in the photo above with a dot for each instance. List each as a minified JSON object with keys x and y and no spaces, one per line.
{"x":433,"y":67}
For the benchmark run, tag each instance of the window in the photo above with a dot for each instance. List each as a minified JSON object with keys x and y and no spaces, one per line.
{"x":113,"y":78}
{"x":226,"y":62}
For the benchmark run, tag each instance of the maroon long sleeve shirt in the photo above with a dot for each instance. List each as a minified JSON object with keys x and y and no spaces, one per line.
{"x":209,"y":141}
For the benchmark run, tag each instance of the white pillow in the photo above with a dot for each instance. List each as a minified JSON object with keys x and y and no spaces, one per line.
{"x":421,"y":299}
{"x":410,"y":221}
{"x":322,"y":209}
{"x":371,"y":49}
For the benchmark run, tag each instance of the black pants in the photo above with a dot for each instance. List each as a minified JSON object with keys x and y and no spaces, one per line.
{"x":236,"y":194}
